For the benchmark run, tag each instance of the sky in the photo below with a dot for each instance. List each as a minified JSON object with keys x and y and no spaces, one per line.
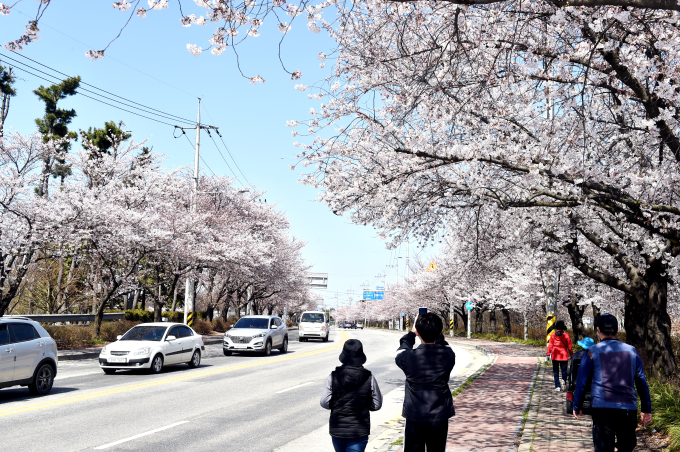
{"x":149,"y":64}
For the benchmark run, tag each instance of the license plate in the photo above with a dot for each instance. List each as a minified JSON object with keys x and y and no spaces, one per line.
{"x":240,"y":346}
{"x":117,"y":360}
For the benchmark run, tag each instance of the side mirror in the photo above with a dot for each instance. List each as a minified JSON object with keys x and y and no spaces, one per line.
{"x":170,"y":338}
{"x":231,"y":326}
{"x":119,"y":336}
{"x":273,"y":327}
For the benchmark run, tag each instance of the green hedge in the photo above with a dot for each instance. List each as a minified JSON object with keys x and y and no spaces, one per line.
{"x":141,"y":315}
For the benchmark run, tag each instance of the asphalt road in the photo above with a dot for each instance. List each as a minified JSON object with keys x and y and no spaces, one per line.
{"x":238,"y":403}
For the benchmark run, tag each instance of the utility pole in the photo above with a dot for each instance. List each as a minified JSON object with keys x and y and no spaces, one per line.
{"x":190,"y":290}
{"x":408,"y":270}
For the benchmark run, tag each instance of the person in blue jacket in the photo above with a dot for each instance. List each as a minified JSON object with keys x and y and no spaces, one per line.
{"x":616,"y":372}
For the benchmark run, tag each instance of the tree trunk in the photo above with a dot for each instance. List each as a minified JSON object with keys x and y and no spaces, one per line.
{"x":210,"y":312}
{"x":492,"y":321}
{"x":659,"y":347}
{"x":635,"y":322}
{"x":507,"y":326}
{"x":526,"y":325}
{"x":479,"y":320}
{"x":576,"y":316}
{"x":174,"y":298}
{"x":158,"y":306}
{"x":596,"y":315}
{"x":135,"y":300}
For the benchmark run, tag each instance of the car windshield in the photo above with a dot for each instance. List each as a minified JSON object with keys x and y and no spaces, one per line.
{"x":145,"y":333}
{"x":312,"y":317}
{"x":252,"y":323}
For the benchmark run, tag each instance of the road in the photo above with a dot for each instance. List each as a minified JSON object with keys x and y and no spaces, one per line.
{"x":238,"y":403}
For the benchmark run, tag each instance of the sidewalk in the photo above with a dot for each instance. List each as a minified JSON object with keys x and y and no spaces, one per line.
{"x":489,"y":412}
{"x":548,"y":427}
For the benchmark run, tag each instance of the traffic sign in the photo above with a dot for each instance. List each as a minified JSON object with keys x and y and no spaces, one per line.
{"x":469,"y":306}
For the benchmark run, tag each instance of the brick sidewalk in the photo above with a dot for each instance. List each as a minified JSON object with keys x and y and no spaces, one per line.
{"x":548,"y":427}
{"x":489,"y":411}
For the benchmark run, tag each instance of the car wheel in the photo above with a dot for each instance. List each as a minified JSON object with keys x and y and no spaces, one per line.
{"x":302,"y":339}
{"x":325,"y":339}
{"x":284,"y":347}
{"x":156,"y":364}
{"x":109,"y":371}
{"x":268,"y":348}
{"x":195,"y":359}
{"x":43,"y":379}
{"x":226,"y":352}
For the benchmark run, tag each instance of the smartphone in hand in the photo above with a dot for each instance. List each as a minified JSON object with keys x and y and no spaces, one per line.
{"x":422,"y":311}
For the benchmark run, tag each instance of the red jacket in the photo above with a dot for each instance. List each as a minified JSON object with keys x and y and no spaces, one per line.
{"x":559,"y":343}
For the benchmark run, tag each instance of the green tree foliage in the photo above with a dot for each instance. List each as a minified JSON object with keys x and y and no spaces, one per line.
{"x":101,"y":139}
{"x":54,"y":125}
{"x":6,"y":92}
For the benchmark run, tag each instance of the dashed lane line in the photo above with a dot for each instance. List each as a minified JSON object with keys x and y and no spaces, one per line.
{"x":165,"y":381}
{"x":131,"y":438}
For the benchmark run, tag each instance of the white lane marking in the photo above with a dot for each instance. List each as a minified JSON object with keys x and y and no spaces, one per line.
{"x":295,"y":387}
{"x":62,"y":377}
{"x":150,"y":432}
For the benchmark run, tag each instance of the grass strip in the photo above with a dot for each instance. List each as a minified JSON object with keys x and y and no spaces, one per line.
{"x":498,"y":338}
{"x":666,"y":410}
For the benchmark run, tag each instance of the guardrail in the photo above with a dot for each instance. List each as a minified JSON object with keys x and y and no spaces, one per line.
{"x":51,"y":318}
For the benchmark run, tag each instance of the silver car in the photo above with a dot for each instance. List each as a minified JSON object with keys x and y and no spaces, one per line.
{"x":28,"y":355}
{"x":258,"y":333}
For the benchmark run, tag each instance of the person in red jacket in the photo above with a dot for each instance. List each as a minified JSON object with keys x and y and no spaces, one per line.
{"x":559,"y":350}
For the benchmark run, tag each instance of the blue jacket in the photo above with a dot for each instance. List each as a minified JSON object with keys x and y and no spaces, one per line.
{"x":616,"y":370}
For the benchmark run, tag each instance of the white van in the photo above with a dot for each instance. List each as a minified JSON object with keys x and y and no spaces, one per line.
{"x":314,"y":324}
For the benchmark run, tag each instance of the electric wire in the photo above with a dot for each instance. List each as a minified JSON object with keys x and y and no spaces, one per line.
{"x":161,"y":114}
{"x":199,"y":155}
{"x":225,"y":160}
{"x":225,"y":147}
{"x":98,"y":100}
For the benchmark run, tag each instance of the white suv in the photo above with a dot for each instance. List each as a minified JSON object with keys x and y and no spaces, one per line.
{"x":313,"y":324}
{"x":28,"y":355}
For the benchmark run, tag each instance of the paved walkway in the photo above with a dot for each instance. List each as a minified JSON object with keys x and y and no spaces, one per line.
{"x":548,"y":427}
{"x":489,"y":411}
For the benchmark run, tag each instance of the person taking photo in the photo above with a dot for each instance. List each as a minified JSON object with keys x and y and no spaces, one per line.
{"x":428,"y":404}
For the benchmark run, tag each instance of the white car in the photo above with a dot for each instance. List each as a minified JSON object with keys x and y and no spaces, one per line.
{"x":360,"y":325}
{"x":152,"y":346}
{"x":313,"y":324}
{"x":28,"y":355}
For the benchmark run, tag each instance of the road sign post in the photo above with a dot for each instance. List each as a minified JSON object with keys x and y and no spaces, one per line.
{"x":469,"y":306}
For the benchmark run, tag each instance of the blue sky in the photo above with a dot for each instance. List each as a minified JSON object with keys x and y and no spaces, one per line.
{"x":149,"y":64}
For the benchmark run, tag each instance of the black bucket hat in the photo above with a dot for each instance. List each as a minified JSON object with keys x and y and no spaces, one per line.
{"x":560,"y":326}
{"x":353,"y":353}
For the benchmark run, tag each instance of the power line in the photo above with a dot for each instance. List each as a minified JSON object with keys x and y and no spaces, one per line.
{"x":162,"y":114}
{"x":98,"y":100}
{"x":222,"y":155}
{"x":228,"y":152}
{"x":199,"y":155}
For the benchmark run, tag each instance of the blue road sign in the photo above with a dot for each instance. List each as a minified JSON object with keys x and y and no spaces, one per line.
{"x":469,"y":306}
{"x":379,"y":288}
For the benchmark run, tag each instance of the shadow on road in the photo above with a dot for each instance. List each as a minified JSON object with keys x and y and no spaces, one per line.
{"x":20,"y":394}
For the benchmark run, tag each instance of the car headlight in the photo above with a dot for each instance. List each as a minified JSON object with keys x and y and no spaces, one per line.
{"x":259,"y":335}
{"x":104,"y":351}
{"x":143,"y":351}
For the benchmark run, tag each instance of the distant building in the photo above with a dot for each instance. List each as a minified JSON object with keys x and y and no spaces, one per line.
{"x":318,"y":280}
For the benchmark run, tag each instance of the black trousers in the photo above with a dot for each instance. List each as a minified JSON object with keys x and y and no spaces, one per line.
{"x":614,"y":427}
{"x":417,"y":435}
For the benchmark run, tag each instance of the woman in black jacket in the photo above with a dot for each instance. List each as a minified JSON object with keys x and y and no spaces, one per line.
{"x":351,"y":392}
